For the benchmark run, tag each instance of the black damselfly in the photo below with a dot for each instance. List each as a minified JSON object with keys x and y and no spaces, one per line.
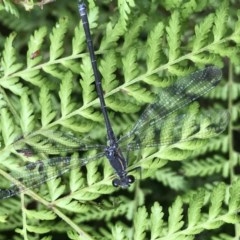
{"x":160,"y":124}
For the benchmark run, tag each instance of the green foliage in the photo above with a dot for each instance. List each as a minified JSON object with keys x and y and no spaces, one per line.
{"x":47,"y":96}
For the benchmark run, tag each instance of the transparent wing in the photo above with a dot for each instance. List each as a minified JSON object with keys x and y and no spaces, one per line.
{"x":53,"y":143}
{"x":156,"y":126}
{"x":34,"y":174}
{"x":176,"y":128}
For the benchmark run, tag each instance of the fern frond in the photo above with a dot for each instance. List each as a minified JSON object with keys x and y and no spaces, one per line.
{"x":217,"y":199}
{"x":108,"y":69}
{"x":173,"y":31}
{"x":156,"y":220}
{"x":27,"y":117}
{"x":220,"y":20}
{"x":78,"y":40}
{"x":37,"y":229}
{"x":118,"y":232}
{"x":136,"y":89}
{"x":42,"y":94}
{"x":34,"y":45}
{"x":130,"y":38}
{"x":194,"y":210}
{"x":56,"y":38}
{"x":154,"y":47}
{"x":9,"y":61}
{"x":66,"y":89}
{"x":125,"y":10}
{"x":140,"y":223}
{"x":202,"y":32}
{"x":40,"y":214}
{"x":8,"y":6}
{"x":130,"y":67}
{"x":113,"y":33}
{"x":76,"y":180}
{"x":170,"y":178}
{"x":7,"y":127}
{"x":124,"y":105}
{"x":204,"y":167}
{"x":47,"y":112}
{"x":87,"y":82}
{"x":198,"y":221}
{"x":175,"y":218}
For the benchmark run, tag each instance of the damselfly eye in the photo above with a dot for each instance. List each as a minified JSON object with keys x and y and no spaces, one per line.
{"x":116,"y":182}
{"x":131,"y":179}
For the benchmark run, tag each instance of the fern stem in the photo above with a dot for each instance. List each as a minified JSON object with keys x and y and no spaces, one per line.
{"x":24,"y":220}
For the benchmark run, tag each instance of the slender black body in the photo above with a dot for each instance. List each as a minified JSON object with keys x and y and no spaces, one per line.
{"x":112,"y":151}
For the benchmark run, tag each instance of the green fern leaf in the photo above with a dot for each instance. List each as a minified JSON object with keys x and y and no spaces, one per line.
{"x":91,"y":114}
{"x":130,"y":38}
{"x":76,"y":180}
{"x":26,"y":115}
{"x":40,"y":214}
{"x":140,"y":223}
{"x":108,"y":68}
{"x":93,"y":175}
{"x":78,"y":42}
{"x":8,"y":132}
{"x":125,"y":10}
{"x":9,"y":7}
{"x":194,"y":211}
{"x":140,"y":94}
{"x":75,"y":236}
{"x":38,"y":229}
{"x":56,"y":38}
{"x":34,"y":76}
{"x":9,"y":59}
{"x":55,"y":71}
{"x":48,"y":114}
{"x":118,"y":232}
{"x":13,"y":85}
{"x":203,"y":59}
{"x":220,"y":21}
{"x":123,"y":106}
{"x":68,"y":204}
{"x":235,"y":35}
{"x":65,"y":94}
{"x":113,"y":33}
{"x":125,"y":91}
{"x":34,"y":46}
{"x":130,"y":67}
{"x":173,"y":31}
{"x":189,"y":7}
{"x":154,"y":47}
{"x":93,"y":14}
{"x":175,"y":221}
{"x":71,"y":65}
{"x":170,"y":178}
{"x":217,"y":198}
{"x":55,"y":189}
{"x":201,"y":32}
{"x":157,"y":222}
{"x":87,"y":82}
{"x":204,"y":167}
{"x":234,"y":201}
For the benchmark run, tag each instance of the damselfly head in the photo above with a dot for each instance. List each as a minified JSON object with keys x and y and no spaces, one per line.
{"x":124,"y":182}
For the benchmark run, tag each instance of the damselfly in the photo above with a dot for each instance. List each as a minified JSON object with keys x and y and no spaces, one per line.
{"x":161,"y":124}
